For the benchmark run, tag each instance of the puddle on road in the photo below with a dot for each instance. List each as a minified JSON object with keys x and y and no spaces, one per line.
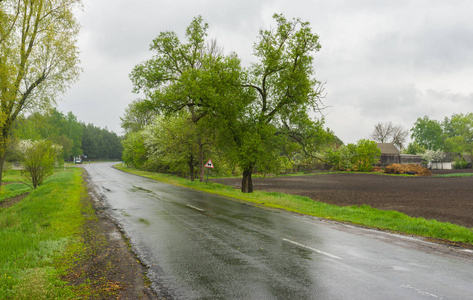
{"x":144,"y":221}
{"x":140,"y":189}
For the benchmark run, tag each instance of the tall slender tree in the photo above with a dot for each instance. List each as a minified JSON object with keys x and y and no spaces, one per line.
{"x":284,"y":87}
{"x":38,"y":57}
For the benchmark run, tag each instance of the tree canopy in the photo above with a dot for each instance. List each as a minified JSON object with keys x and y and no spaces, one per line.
{"x":191,"y":78}
{"x":75,"y":138}
{"x":251,"y":115}
{"x":38,"y":57}
{"x":453,"y":134}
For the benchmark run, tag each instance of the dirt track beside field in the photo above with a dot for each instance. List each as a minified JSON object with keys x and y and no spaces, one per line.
{"x":442,"y":199}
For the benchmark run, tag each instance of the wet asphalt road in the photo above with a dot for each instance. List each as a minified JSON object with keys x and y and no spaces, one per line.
{"x":201,"y":246}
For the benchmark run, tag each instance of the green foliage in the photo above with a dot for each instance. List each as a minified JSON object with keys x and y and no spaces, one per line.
{"x":454,"y":134}
{"x":134,"y":150}
{"x":460,"y":163}
{"x":98,"y":143}
{"x":54,"y":126}
{"x":36,"y":233}
{"x":74,"y":137}
{"x":367,"y":154}
{"x":209,"y":105}
{"x":38,"y":57}
{"x":38,"y":159}
{"x":428,"y":133}
{"x":414,"y":148}
{"x":138,"y":114}
{"x":282,"y":91}
{"x":191,"y":78}
{"x":358,"y":157}
{"x":459,"y":133}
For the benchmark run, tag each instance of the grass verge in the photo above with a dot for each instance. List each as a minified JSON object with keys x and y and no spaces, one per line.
{"x":40,"y":238}
{"x":454,"y":175}
{"x":363,"y":215}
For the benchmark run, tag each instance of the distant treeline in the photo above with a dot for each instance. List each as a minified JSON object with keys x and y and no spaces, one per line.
{"x":76,"y":138}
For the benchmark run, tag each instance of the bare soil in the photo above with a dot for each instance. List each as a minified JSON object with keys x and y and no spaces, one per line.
{"x":109,"y":265}
{"x":443,"y":199}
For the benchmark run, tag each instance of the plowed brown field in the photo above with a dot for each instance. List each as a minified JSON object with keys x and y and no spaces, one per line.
{"x":442,"y":199}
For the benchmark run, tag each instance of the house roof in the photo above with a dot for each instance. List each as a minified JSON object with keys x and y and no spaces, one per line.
{"x":388,"y":148}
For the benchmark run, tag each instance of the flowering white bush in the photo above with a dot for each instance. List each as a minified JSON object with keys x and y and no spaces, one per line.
{"x":431,"y":155}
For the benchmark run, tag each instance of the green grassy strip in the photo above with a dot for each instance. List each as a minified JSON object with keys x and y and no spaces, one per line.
{"x":14,"y":189}
{"x":39,"y":238}
{"x":14,"y":185}
{"x":454,"y":175}
{"x":362,"y":215}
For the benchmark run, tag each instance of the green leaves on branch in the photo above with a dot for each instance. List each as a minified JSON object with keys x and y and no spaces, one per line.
{"x":358,"y":157}
{"x":38,"y":159}
{"x":454,"y":134}
{"x":249,"y":113}
{"x":39,"y":57}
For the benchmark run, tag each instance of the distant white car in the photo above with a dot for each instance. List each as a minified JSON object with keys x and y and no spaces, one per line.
{"x":78,"y":161}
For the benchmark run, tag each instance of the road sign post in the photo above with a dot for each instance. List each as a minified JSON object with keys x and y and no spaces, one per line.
{"x":208,"y":165}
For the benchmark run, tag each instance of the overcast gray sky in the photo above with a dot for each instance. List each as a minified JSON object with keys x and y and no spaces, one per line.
{"x":382,"y":60}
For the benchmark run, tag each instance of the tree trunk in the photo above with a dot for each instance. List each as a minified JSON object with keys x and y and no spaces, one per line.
{"x":201,"y":162}
{"x":247,"y":183}
{"x":2,"y":162}
{"x":3,"y":154}
{"x":191,"y":168}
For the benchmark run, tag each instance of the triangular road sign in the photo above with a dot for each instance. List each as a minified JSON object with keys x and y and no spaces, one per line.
{"x":209,"y":164}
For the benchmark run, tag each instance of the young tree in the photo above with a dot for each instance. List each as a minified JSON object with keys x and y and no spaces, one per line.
{"x":38,"y":57}
{"x":134,"y":149}
{"x":38,"y":159}
{"x":284,"y":89}
{"x":367,"y":154}
{"x":171,"y":142}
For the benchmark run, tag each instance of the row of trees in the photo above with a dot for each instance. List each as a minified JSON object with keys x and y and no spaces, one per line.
{"x":453,"y":134}
{"x":201,"y":103}
{"x":432,"y":138}
{"x":74,"y":137}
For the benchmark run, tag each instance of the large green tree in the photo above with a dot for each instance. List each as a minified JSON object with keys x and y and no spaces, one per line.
{"x":459,"y":133}
{"x":38,"y":57}
{"x":284,"y":89}
{"x":428,"y":134}
{"x":192,"y":76}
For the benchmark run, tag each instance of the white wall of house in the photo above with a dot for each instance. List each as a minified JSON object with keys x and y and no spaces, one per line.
{"x":437,"y":165}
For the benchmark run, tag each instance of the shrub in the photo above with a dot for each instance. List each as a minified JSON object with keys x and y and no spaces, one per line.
{"x":38,"y":159}
{"x":407,"y":169}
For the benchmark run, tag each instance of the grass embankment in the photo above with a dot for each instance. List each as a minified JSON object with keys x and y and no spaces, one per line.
{"x":14,"y":187}
{"x":455,"y":175}
{"x":361,"y":215}
{"x":40,"y":236}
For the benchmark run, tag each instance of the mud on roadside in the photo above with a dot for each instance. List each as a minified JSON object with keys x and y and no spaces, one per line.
{"x":109,"y":266}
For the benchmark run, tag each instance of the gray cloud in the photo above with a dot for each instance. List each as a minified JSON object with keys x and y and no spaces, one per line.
{"x":381,"y":60}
